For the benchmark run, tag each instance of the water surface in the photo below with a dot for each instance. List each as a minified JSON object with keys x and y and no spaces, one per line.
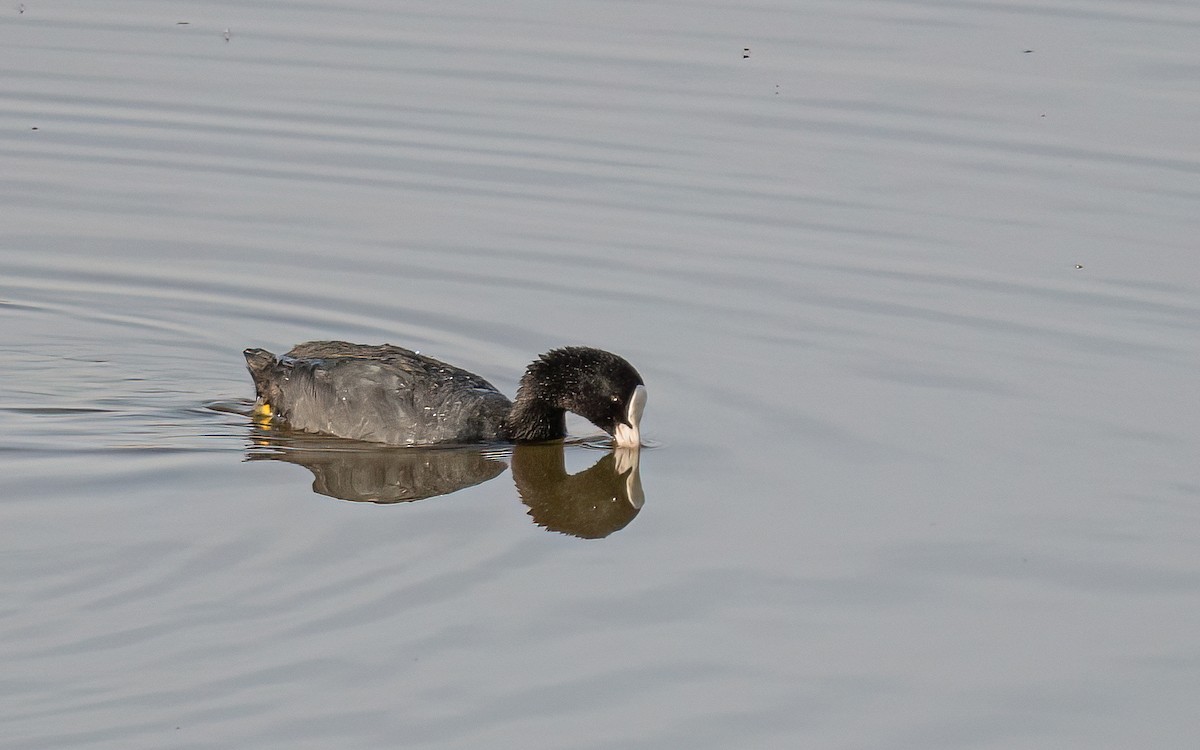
{"x":913,"y":286}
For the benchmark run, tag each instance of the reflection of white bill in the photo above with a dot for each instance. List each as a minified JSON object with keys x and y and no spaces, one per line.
{"x":627,"y":461}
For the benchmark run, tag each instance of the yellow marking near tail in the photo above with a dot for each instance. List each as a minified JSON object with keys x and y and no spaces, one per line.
{"x":263,"y":412}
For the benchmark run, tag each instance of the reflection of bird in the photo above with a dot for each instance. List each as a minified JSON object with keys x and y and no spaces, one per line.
{"x":590,"y":504}
{"x":387,"y":394}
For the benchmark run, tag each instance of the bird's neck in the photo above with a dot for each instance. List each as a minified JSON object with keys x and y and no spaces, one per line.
{"x":533,"y":420}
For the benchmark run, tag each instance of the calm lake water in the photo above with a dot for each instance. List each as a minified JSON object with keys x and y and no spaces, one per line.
{"x":914,"y":286}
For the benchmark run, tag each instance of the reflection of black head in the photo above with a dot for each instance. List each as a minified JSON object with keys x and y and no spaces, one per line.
{"x":591,"y":504}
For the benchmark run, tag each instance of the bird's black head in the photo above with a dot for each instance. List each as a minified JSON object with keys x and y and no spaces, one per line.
{"x":597,"y":385}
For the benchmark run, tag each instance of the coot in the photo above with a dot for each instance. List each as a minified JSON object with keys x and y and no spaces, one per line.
{"x":388,"y":394}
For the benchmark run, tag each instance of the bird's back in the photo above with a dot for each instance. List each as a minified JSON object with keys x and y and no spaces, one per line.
{"x":384,"y":394}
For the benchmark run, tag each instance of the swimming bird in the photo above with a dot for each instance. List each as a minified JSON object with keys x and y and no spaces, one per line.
{"x":388,"y":394}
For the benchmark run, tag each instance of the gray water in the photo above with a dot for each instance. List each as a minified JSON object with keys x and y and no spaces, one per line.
{"x":914,"y":287}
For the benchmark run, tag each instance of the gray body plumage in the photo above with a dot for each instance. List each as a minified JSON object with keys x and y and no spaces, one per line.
{"x":382,"y":394}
